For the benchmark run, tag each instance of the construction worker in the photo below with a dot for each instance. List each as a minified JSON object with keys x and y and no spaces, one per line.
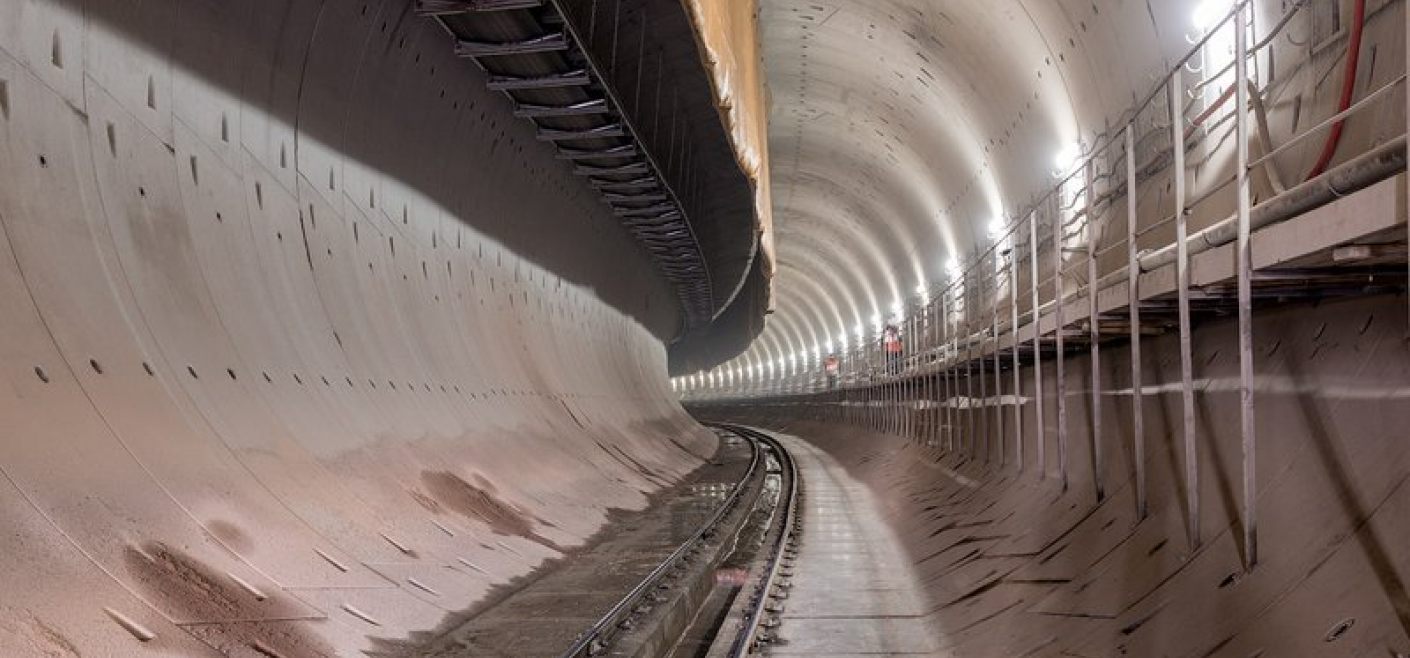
{"x":831,"y":366}
{"x":891,"y":343}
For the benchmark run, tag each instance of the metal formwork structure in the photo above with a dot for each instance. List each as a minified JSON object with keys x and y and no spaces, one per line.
{"x":633,"y":151}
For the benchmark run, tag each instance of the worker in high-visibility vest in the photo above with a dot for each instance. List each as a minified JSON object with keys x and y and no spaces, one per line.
{"x":832,"y":366}
{"x":891,"y":343}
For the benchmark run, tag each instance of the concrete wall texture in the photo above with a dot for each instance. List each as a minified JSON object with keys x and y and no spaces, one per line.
{"x":1017,"y":565}
{"x":289,"y":367}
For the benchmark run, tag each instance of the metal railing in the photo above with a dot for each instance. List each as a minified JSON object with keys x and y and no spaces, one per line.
{"x":957,"y":333}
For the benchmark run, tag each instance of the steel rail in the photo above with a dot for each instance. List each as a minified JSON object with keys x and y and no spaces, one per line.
{"x":592,"y":641}
{"x":748,"y":636}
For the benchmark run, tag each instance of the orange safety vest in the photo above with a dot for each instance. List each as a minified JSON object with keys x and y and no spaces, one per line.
{"x":893,"y":342}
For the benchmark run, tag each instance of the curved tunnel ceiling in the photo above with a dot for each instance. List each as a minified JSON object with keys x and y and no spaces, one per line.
{"x":901,"y":129}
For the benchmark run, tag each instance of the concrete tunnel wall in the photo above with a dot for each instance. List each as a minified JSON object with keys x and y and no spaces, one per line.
{"x":306,"y":343}
{"x":1016,"y":564}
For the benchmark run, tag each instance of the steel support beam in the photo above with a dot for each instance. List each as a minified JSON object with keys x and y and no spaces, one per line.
{"x":1058,"y":338}
{"x":1247,"y":432}
{"x":448,"y":7}
{"x":1017,"y":366}
{"x":1038,"y":429}
{"x":578,"y":78}
{"x":546,"y":43}
{"x":1133,"y":300}
{"x":1094,"y":328}
{"x":1182,"y":276}
{"x":593,"y":107}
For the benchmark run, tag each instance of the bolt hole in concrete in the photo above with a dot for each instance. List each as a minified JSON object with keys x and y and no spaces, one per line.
{"x":97,"y":367}
{"x":43,"y":376}
{"x":1340,"y":629}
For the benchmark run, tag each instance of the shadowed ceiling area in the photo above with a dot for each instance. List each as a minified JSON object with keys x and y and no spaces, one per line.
{"x":902,"y":130}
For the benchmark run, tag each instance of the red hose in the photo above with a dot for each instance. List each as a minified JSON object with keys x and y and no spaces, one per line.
{"x":1348,"y":87}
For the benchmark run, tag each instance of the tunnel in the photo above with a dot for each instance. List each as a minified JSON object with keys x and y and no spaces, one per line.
{"x":965,"y":328}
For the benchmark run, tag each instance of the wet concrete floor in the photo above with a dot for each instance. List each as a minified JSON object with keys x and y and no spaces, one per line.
{"x":854,"y":592}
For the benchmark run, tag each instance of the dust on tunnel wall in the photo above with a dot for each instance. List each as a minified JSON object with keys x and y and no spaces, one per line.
{"x":306,"y":343}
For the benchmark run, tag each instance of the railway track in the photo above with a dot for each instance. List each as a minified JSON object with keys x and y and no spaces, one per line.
{"x":713,"y":595}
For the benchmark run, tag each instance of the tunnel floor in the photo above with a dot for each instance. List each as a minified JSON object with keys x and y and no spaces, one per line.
{"x":544,"y":616}
{"x":854,"y":592}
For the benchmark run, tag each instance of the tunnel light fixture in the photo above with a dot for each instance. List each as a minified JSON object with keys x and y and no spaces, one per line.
{"x":1208,"y":13}
{"x":996,"y":227}
{"x":952,"y":268}
{"x":1066,"y":158}
{"x":861,"y":332}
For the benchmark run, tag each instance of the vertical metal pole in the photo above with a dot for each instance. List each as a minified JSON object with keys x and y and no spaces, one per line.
{"x":1038,"y":429}
{"x":1094,"y":330}
{"x":947,"y":429}
{"x":934,"y":377}
{"x":908,"y":344}
{"x":1182,"y":275}
{"x":951,"y":389}
{"x":971,"y":423}
{"x":928,"y":382}
{"x":1245,"y":265}
{"x":640,"y":64}
{"x":895,"y":392}
{"x":1057,"y":333}
{"x":983,"y":383}
{"x":914,"y":380}
{"x":1133,"y":279}
{"x":1013,"y":330}
{"x":592,"y":24}
{"x":998,"y":372}
{"x":616,"y":23}
{"x":877,"y":384}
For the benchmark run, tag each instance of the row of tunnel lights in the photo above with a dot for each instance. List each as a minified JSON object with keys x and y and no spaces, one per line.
{"x":1206,"y":16}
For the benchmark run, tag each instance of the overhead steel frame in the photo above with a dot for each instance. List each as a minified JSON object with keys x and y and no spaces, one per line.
{"x":634,"y":180}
